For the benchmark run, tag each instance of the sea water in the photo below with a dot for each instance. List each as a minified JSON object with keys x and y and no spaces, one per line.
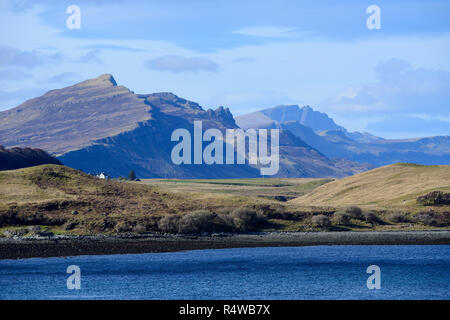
{"x":316,"y":272}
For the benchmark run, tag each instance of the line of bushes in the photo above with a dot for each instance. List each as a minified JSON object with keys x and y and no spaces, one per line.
{"x":434,"y":198}
{"x":245,"y":219}
{"x":345,"y":217}
{"x":239,"y":220}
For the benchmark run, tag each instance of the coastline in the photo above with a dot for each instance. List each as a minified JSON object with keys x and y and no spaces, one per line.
{"x":61,"y":246}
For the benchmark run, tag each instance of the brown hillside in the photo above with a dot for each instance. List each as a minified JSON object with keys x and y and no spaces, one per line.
{"x":394,"y":185}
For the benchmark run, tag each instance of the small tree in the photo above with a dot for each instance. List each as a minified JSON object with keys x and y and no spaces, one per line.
{"x":132,"y":175}
{"x":169,"y":223}
{"x":397,"y":217}
{"x":247,"y":219}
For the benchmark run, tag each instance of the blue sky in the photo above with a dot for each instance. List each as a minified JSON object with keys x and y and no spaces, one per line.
{"x":246,"y":55}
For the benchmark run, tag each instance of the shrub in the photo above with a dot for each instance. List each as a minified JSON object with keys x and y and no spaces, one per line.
{"x":132,"y":175}
{"x":169,"y":223}
{"x":354,"y":212}
{"x":201,"y":221}
{"x":246,"y":219}
{"x":371,"y":217}
{"x":123,"y":226}
{"x":427,"y":218}
{"x":108,"y":224}
{"x":434,"y":198}
{"x":70,"y":225}
{"x":280,"y":198}
{"x":15,"y":233}
{"x":321,"y":221}
{"x":195,"y":222}
{"x":342,"y":218}
{"x":224,"y":211}
{"x":242,"y":219}
{"x":139,"y":228}
{"x":397,"y":217}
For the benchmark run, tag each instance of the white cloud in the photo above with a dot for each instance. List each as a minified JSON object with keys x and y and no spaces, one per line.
{"x":410,"y":124}
{"x":178,"y":64}
{"x":400,"y":89}
{"x":91,"y":57}
{"x":13,"y":57}
{"x":244,"y":60}
{"x":270,"y":32}
{"x":14,"y":74}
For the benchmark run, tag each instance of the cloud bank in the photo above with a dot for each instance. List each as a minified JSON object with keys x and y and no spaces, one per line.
{"x":399,"y":88}
{"x":13,"y":57}
{"x":403,"y":100}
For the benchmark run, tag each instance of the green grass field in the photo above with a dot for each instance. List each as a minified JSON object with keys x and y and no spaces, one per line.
{"x":269,"y":188}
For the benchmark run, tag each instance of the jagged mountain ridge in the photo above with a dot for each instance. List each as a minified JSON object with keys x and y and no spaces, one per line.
{"x":306,"y":116}
{"x":97,"y":125}
{"x":80,"y":113}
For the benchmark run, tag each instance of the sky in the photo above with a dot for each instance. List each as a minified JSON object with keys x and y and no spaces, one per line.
{"x":247,"y":55}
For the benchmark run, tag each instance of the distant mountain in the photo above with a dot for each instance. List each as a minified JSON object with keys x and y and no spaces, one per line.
{"x":71,"y":118}
{"x":298,"y":159}
{"x":306,"y":116}
{"x":97,"y":125}
{"x":362,"y":136}
{"x":16,"y":158}
{"x":336,"y":142}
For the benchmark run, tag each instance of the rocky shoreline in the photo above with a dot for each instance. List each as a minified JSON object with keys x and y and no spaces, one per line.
{"x":58,"y":246}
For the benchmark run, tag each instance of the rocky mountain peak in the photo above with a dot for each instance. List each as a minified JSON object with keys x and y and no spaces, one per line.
{"x":104,"y":80}
{"x":223,"y":115}
{"x":90,"y":110}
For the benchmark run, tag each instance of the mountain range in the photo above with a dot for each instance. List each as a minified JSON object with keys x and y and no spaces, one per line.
{"x":322,"y":133}
{"x":100,"y":126}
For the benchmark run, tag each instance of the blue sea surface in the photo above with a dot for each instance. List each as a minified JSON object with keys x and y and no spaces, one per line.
{"x":317,"y":272}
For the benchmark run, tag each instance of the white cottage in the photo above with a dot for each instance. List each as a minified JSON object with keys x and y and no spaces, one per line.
{"x":102,"y":175}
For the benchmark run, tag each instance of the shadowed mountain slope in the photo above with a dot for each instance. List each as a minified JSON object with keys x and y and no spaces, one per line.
{"x":16,"y":158}
{"x":97,"y":125}
{"x":71,"y":118}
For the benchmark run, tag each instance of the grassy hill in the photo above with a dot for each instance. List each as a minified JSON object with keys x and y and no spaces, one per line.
{"x":393,"y":186}
{"x":65,"y":199}
{"x":54,"y":199}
